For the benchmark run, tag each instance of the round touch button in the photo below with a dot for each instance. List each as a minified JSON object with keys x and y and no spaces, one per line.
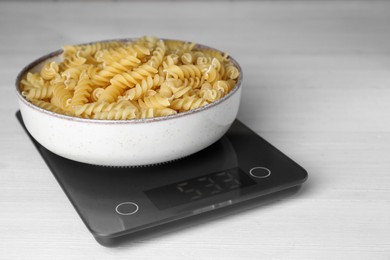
{"x":126,"y":208}
{"x":260,"y":172}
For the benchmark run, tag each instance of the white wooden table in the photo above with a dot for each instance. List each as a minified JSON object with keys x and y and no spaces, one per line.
{"x":317,"y":86}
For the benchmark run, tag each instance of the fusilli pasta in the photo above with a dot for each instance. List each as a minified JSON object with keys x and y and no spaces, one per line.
{"x":119,"y":80}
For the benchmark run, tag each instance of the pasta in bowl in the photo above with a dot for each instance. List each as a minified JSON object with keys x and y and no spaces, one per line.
{"x":129,"y":102}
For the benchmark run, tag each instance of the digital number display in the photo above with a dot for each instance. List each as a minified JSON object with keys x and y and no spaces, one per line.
{"x":198,"y":188}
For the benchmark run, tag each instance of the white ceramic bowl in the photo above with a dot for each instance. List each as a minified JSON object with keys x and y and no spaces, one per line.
{"x":128,"y":142}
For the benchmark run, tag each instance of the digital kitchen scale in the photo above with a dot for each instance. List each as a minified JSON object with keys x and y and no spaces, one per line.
{"x":119,"y":204}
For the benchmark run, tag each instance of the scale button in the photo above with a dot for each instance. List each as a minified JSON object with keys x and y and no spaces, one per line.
{"x":126,"y":208}
{"x":260,"y":172}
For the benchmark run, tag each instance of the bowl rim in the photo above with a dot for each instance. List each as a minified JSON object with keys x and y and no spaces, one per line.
{"x":58,"y":52}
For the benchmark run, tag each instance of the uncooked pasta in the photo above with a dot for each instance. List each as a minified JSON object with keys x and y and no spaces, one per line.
{"x":124,"y":80}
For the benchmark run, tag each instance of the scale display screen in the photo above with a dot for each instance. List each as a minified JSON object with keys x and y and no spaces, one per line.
{"x":198,"y":188}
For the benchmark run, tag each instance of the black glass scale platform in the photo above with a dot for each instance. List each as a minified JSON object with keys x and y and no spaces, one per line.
{"x":238,"y":172}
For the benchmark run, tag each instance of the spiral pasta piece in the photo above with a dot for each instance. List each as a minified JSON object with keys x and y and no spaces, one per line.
{"x":96,"y":93}
{"x":91,"y":70}
{"x":187,"y":103}
{"x":48,"y":106}
{"x":158,"y":55}
{"x":61,"y":97}
{"x":184,"y":71}
{"x":210,"y":95}
{"x":167,"y":88}
{"x":194,"y":83}
{"x":165,"y":112}
{"x":187,"y":58}
{"x":71,"y":76}
{"x":224,"y":86}
{"x":140,"y":50}
{"x":38,"y":93}
{"x":171,"y":59}
{"x":82,"y":91}
{"x":57,"y":80}
{"x":178,"y":47}
{"x":223,"y":57}
{"x":96,"y":107}
{"x":173,"y":89}
{"x":73,"y":61}
{"x":231,"y":72}
{"x":103,"y":77}
{"x":107,"y":56}
{"x":146,"y":84}
{"x":154,"y":101}
{"x":147,"y":113}
{"x":119,"y":114}
{"x":203,"y":60}
{"x":35,"y":80}
{"x":155,"y":112}
{"x":214,"y":92}
{"x":25,"y":86}
{"x":49,"y":70}
{"x":89,"y":49}
{"x":121,"y":82}
{"x":211,"y":74}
